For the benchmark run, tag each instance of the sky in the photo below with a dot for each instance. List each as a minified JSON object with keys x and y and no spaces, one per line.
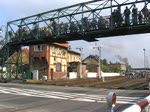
{"x":112,"y":48}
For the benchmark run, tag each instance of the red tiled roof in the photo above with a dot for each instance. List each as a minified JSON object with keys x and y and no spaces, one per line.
{"x":63,"y":45}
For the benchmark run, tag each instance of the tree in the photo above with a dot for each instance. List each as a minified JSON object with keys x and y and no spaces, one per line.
{"x":104,"y":62}
{"x":105,"y":69}
{"x":116,"y":69}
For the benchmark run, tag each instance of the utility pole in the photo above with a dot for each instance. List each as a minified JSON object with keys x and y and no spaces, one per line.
{"x":99,"y":70}
{"x":79,"y":75}
{"x":111,"y":22}
{"x":144,"y":59}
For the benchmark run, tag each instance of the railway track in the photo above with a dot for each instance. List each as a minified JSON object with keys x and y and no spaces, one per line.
{"x":121,"y":82}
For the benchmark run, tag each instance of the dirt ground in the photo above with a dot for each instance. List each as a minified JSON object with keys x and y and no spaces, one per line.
{"x":121,"y":82}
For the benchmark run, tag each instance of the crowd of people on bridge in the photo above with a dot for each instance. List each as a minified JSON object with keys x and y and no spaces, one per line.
{"x":130,"y":16}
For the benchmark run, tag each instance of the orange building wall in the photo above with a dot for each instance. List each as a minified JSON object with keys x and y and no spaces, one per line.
{"x":51,"y":59}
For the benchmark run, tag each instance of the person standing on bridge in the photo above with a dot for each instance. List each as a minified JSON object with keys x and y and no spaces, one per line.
{"x":84,"y":22}
{"x":35,"y":26}
{"x":113,"y":18}
{"x":54,"y":25}
{"x":146,"y":14}
{"x":140,"y":17}
{"x":61,"y":28}
{"x":19,"y":32}
{"x":101,"y":23}
{"x":127,"y":16}
{"x":35,"y":30}
{"x":72,"y":27}
{"x":11,"y":35}
{"x":65,"y":28}
{"x":118,"y":16}
{"x":134,"y":15}
{"x":94,"y":24}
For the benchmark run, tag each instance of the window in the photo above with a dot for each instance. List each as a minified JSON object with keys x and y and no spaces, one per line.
{"x":63,"y":52}
{"x":38,"y":48}
{"x":58,"y":51}
{"x":58,"y":66}
{"x":53,"y":49}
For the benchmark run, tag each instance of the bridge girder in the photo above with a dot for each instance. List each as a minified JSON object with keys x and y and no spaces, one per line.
{"x":68,"y":15}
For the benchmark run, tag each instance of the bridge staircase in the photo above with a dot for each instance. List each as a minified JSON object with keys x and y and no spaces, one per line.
{"x":6,"y":53}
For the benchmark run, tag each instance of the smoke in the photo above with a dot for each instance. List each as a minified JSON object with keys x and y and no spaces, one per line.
{"x":121,"y":59}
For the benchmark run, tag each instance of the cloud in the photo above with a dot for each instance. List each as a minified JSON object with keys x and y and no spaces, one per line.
{"x":15,"y":9}
{"x":130,"y":48}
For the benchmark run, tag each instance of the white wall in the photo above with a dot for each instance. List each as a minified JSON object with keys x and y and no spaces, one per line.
{"x":91,"y":74}
{"x":94,"y":74}
{"x":35,"y":74}
{"x":110,"y":74}
{"x":72,"y":75}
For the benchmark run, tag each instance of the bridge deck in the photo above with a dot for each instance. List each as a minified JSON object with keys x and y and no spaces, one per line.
{"x":89,"y":36}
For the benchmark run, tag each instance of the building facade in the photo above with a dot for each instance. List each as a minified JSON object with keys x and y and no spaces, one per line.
{"x":92,"y":64}
{"x":52,"y":60}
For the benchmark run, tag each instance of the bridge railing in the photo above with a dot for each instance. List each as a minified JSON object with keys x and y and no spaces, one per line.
{"x":78,"y":18}
{"x":54,"y":30}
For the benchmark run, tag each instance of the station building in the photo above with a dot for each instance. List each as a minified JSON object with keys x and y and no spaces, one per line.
{"x":51,"y":60}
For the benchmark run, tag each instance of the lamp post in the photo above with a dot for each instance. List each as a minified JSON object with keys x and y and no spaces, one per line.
{"x":1,"y":28}
{"x":99,"y":70}
{"x":144,"y":59}
{"x":80,"y":49}
{"x":2,"y":42}
{"x":5,"y":31}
